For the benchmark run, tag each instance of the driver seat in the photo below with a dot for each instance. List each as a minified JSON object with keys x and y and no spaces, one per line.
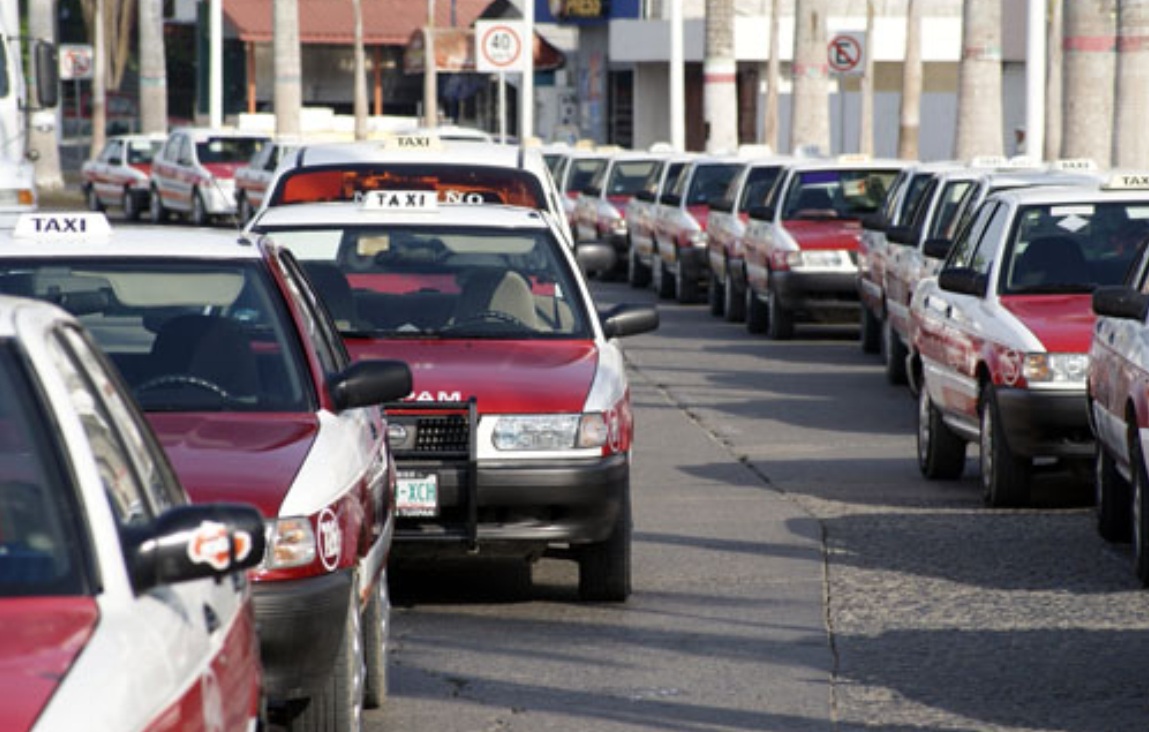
{"x":212,"y":348}
{"x":500,"y":290}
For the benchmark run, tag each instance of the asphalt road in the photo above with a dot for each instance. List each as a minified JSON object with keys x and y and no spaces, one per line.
{"x":793,"y":571}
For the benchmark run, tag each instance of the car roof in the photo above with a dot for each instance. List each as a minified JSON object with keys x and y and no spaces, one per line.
{"x":1072,"y":194}
{"x":847,"y":162}
{"x":446,"y":152}
{"x":343,"y":213}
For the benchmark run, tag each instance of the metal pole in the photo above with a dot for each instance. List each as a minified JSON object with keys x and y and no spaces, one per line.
{"x":215,"y":83}
{"x":430,"y":81}
{"x":1035,"y":79}
{"x":527,"y":103}
{"x":503,"y":107}
{"x":677,"y":79}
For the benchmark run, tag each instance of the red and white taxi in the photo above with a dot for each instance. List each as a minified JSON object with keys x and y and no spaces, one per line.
{"x":253,"y":179}
{"x":641,"y":217}
{"x":122,"y":606}
{"x":725,"y":225}
{"x":120,"y":175}
{"x":680,"y":269}
{"x":801,"y":248}
{"x":600,"y":209}
{"x":1003,"y":332}
{"x":1118,"y":393}
{"x":193,"y":174}
{"x":517,"y":438}
{"x":246,"y":381}
{"x":578,"y":168}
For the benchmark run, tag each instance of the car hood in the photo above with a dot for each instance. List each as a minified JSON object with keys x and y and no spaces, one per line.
{"x":42,"y":638}
{"x":505,"y":376}
{"x":831,"y":234}
{"x":1063,"y":323}
{"x":251,"y":458}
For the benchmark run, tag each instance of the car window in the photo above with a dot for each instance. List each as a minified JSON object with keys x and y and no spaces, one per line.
{"x":328,"y":345}
{"x":961,"y":255}
{"x":914,"y":195}
{"x":986,"y":250}
{"x":627,"y":177}
{"x":42,"y":536}
{"x":947,"y":207}
{"x":760,"y":180}
{"x":186,"y":335}
{"x":709,"y":182}
{"x":442,"y":281}
{"x":848,"y":193}
{"x":142,"y":152}
{"x":582,"y":172}
{"x":227,"y":149}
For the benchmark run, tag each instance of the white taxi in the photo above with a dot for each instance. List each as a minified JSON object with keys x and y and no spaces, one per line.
{"x":1003,"y":332}
{"x":123,"y":607}
{"x":517,"y":438}
{"x":193,"y":174}
{"x":120,"y":174}
{"x":244,"y":378}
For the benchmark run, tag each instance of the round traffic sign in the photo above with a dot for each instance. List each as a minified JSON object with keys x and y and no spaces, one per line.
{"x":844,"y":54}
{"x":501,"y":47}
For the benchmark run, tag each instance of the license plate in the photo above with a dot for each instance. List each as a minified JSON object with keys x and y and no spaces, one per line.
{"x":417,"y":495}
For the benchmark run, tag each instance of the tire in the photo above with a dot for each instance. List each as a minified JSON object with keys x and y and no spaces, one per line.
{"x":1140,"y":522}
{"x":637,"y":273}
{"x":895,"y":355}
{"x":870,"y":335}
{"x":156,"y":211}
{"x":781,"y":325}
{"x":376,"y":633}
{"x":92,"y":199}
{"x":199,"y":214}
{"x":1114,"y":495}
{"x":733,"y":301}
{"x":663,"y":283}
{"x":131,"y":205}
{"x":757,"y":316}
{"x":339,"y":704}
{"x":716,"y":297}
{"x":686,"y":288}
{"x":1004,"y":476}
{"x":941,"y":453}
{"x":604,"y":567}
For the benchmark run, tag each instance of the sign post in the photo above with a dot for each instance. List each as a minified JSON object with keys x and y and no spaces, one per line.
{"x":499,"y":48}
{"x":846,"y":55}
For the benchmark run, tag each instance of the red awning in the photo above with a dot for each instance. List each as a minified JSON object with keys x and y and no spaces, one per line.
{"x":385,"y":22}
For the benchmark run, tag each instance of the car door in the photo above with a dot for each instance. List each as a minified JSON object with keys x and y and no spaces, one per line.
{"x":191,"y":643}
{"x":104,"y":180}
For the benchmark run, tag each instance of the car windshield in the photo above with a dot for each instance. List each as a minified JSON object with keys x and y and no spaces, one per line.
{"x":836,"y":194}
{"x":227,"y":149}
{"x":627,"y":177}
{"x":1073,"y":247}
{"x":710,"y":182}
{"x":582,"y":172}
{"x":441,"y":281}
{"x":40,"y":537}
{"x":141,"y":152}
{"x":186,"y":335}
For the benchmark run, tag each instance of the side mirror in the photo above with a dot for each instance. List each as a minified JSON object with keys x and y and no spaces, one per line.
{"x":874,"y":222}
{"x":192,"y":542}
{"x":903,"y":235}
{"x":761,"y":213}
{"x":671,"y":199}
{"x":370,"y":382}
{"x":964,"y":281}
{"x":1118,"y":301}
{"x":937,"y":248}
{"x":47,"y":64}
{"x":594,"y":258}
{"x":627,"y":320}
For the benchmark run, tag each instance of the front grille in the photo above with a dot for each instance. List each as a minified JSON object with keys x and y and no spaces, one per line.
{"x":449,"y":433}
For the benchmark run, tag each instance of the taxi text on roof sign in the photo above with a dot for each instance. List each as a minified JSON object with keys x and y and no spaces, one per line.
{"x":62,"y":225}
{"x":412,"y":142}
{"x":1128,"y":181}
{"x":400,"y":200}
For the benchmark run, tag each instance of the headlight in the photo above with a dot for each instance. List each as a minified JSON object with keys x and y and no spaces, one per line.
{"x":698,"y":239}
{"x":549,"y":432}
{"x":1055,"y":368}
{"x":819,"y":259}
{"x":618,"y":227}
{"x":290,"y":543}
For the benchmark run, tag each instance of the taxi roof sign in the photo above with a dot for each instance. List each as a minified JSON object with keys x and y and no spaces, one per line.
{"x":427,"y":201}
{"x":1127,"y":182}
{"x":70,"y":225}
{"x":412,"y":141}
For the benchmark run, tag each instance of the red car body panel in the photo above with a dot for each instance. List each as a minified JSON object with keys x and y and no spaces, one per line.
{"x":1063,"y":323}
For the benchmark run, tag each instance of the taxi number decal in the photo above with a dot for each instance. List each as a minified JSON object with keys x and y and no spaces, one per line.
{"x":209,"y":545}
{"x":330,"y":539}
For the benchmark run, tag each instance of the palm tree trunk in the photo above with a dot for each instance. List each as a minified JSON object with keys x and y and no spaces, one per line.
{"x":810,"y":110}
{"x":99,"y":81}
{"x":910,"y":113}
{"x":1131,"y":101}
{"x":1089,"y":68}
{"x":773,"y":76}
{"x":288,"y":68}
{"x":979,"y":123}
{"x":153,"y":69}
{"x":720,"y":73}
{"x":1053,"y":81}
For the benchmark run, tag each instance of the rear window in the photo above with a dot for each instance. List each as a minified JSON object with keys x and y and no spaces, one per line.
{"x":511,"y":186}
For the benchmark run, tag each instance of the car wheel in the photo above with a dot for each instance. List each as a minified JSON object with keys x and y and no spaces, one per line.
{"x":715,"y":296}
{"x":376,"y":632}
{"x":781,"y":321}
{"x":156,"y":211}
{"x":733,"y":301}
{"x":92,"y":199}
{"x":1140,"y":515}
{"x":941,"y":453}
{"x":1004,"y":476}
{"x":870,"y":336}
{"x":685,"y":286}
{"x":604,"y":567}
{"x":199,"y":215}
{"x":131,"y":205}
{"x":663,"y":282}
{"x":757,"y":316}
{"x":895,"y":354}
{"x":339,"y":704}
{"x":637,"y":274}
{"x":1113,"y":497}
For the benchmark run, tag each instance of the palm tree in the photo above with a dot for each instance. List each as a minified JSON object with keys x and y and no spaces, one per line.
{"x":810,"y":109}
{"x":1053,"y":74}
{"x":773,"y":74}
{"x":910,"y":114}
{"x":979,"y":123}
{"x":45,"y":142}
{"x":720,"y":97}
{"x":1089,"y":72}
{"x":153,"y":69}
{"x":288,"y":68}
{"x":1131,"y":100}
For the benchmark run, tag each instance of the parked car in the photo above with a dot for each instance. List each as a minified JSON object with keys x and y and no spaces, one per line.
{"x":245,"y":379}
{"x":574,"y":173}
{"x":641,"y":217}
{"x":253,"y":179}
{"x":600,"y":209}
{"x":193,"y":174}
{"x":120,"y":175}
{"x":103,"y":558}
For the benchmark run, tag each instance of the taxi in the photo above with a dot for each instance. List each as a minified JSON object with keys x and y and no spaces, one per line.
{"x":577,"y":169}
{"x":516,"y":441}
{"x":641,"y":218}
{"x":680,"y":269}
{"x":725,"y":225}
{"x":600,"y":209}
{"x":1117,"y":389}
{"x":124,"y":607}
{"x":802,"y":246}
{"x":193,"y":174}
{"x":1003,"y":332}
{"x":120,"y":175}
{"x":244,"y":378}
{"x":252,"y":180}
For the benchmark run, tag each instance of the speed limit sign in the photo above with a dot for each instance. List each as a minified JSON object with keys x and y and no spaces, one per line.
{"x":499,"y":46}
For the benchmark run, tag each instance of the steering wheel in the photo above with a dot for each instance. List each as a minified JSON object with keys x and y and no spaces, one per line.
{"x":163,"y":380}
{"x":495,"y":315}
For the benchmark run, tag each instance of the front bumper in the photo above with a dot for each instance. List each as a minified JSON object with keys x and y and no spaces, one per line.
{"x":1046,"y":424}
{"x":300,"y":627}
{"x":820,"y":295}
